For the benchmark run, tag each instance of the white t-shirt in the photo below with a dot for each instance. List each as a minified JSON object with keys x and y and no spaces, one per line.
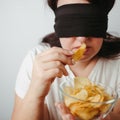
{"x":105,"y":71}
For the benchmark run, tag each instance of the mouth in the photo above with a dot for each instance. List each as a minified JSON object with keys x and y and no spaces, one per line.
{"x":76,"y":48}
{"x":79,"y":52}
{"x":87,"y":50}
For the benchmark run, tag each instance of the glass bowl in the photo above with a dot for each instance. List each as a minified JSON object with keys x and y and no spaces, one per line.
{"x":84,"y":107}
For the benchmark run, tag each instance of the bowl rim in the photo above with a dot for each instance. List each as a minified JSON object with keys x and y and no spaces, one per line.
{"x":105,"y":102}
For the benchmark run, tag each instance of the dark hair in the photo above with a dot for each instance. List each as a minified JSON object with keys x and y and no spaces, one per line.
{"x":107,"y":4}
{"x":52,"y":4}
{"x":52,"y":40}
{"x":111,"y":44}
{"x":110,"y":47}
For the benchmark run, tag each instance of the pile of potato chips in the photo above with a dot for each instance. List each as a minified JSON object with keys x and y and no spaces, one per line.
{"x":89,"y":96}
{"x":79,"y":53}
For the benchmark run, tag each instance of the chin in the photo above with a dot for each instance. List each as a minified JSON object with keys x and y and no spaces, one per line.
{"x":86,"y":58}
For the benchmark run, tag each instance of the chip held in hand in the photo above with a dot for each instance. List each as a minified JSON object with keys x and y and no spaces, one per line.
{"x":79,"y":53}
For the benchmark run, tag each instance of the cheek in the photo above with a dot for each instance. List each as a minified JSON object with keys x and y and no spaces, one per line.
{"x":65,"y":44}
{"x":98,"y":45}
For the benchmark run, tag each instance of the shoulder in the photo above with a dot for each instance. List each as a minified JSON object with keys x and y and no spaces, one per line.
{"x":29,"y":58}
{"x":27,"y":62}
{"x":36,"y":50}
{"x":39,"y":48}
{"x":111,"y":62}
{"x":108,"y":66}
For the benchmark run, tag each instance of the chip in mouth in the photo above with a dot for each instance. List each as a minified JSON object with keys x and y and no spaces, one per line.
{"x":79,"y":53}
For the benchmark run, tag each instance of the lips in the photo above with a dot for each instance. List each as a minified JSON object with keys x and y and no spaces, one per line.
{"x":87,"y":50}
{"x":75,"y":49}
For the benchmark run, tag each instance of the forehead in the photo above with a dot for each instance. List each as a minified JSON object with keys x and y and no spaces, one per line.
{"x":63,"y":2}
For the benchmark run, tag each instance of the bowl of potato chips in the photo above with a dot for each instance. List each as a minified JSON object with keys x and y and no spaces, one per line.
{"x":88,"y":100}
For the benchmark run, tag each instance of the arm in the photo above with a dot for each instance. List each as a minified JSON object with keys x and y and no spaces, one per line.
{"x":115,"y":114}
{"x":29,"y":109}
{"x":46,"y":67}
{"x":64,"y":112}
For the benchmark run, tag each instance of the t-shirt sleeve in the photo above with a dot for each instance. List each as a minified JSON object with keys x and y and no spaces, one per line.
{"x":24,"y":75}
{"x":118,"y":83}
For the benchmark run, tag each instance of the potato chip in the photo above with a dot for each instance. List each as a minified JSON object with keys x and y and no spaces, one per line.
{"x":89,"y":96}
{"x":82,"y":94}
{"x":79,"y":53}
{"x":68,"y":101}
{"x":83,"y":112}
{"x":69,"y":90}
{"x":87,"y":115}
{"x":104,"y":108}
{"x":96,"y":98}
{"x":81,"y":82}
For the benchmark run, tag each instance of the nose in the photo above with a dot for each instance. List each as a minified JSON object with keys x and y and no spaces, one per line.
{"x":81,"y":39}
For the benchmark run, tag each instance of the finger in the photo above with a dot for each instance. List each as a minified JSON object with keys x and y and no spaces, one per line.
{"x":56,"y":53}
{"x":64,"y":111}
{"x":57,"y":57}
{"x":55,"y":64}
{"x":58,"y":49}
{"x":116,"y":108}
{"x":62,"y":108}
{"x":68,"y":117}
{"x":51,"y":74}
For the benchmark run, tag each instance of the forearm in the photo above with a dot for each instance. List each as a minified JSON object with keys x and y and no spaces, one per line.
{"x":115,"y":114}
{"x":30,"y":109}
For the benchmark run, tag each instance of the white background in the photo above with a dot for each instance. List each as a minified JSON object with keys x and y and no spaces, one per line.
{"x":22,"y":24}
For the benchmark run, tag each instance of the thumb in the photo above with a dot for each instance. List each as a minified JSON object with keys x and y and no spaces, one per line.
{"x":64,"y":111}
{"x":62,"y":108}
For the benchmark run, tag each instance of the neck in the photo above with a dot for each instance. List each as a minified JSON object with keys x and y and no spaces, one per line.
{"x":83,"y":68}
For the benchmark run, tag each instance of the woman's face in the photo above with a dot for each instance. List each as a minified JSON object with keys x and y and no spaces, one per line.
{"x":93,"y":45}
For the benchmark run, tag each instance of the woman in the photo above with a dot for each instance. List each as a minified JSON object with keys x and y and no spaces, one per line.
{"x":45,"y":67}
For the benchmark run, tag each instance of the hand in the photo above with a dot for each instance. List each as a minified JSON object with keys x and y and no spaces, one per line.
{"x":47,"y":66}
{"x":115,"y":114}
{"x":64,"y":112}
{"x":112,"y":116}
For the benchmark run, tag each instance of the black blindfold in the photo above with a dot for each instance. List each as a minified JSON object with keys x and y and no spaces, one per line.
{"x":87,"y":20}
